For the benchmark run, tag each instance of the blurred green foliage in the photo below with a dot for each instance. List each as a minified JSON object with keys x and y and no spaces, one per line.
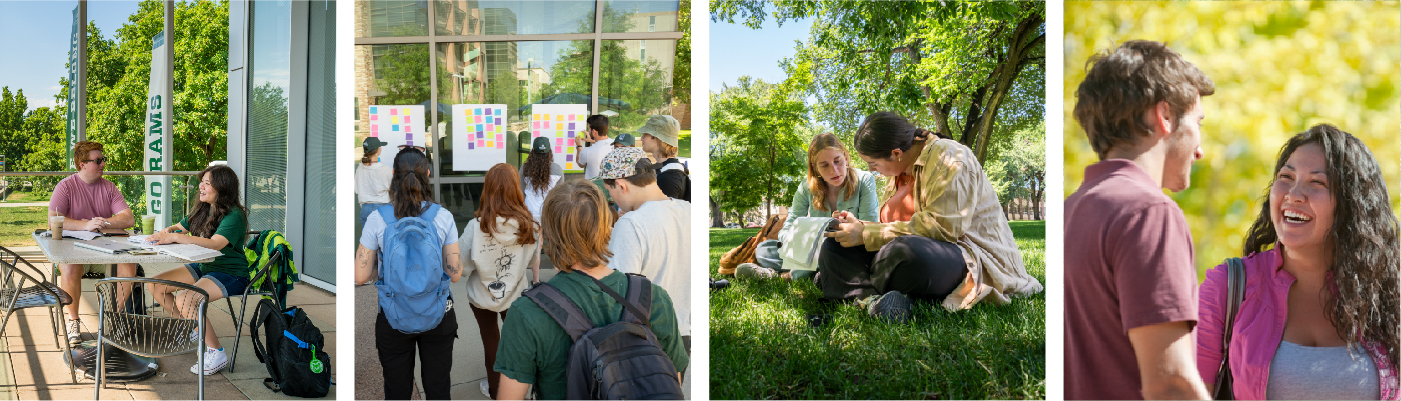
{"x":1279,"y":68}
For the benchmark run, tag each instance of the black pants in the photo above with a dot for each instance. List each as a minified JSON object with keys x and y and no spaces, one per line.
{"x":491,"y":338}
{"x":917,"y":266}
{"x":396,"y":357}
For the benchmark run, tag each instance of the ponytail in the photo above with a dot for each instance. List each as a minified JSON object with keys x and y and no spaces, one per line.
{"x":409,"y":187}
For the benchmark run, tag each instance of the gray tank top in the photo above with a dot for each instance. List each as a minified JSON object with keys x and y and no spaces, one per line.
{"x":1322,"y":373}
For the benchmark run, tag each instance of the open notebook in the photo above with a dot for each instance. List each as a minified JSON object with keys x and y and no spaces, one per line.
{"x":190,"y":252}
{"x":804,"y":239}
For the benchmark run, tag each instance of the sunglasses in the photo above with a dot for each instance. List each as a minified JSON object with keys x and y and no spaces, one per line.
{"x":100,"y":160}
{"x":420,"y":148}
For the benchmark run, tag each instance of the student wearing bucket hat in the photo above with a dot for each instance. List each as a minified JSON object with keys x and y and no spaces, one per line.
{"x":539,"y":175}
{"x":660,"y":138}
{"x":372,"y":178}
{"x":653,"y":236}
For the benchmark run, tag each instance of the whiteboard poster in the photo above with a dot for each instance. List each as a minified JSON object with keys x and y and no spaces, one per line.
{"x":561,"y":123}
{"x":478,"y":136}
{"x":397,"y":125}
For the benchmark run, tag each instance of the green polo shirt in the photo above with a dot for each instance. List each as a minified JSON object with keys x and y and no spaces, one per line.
{"x":234,"y":227}
{"x":535,"y":350}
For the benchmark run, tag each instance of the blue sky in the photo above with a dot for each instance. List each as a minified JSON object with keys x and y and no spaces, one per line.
{"x":34,"y":42}
{"x":736,"y":50}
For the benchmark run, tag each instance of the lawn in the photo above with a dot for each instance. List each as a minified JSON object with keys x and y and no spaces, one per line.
{"x":762,"y":346}
{"x":26,"y":197}
{"x":684,"y":140}
{"x":17,"y":224}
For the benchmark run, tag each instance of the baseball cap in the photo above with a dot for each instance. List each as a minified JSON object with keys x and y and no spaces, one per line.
{"x":621,"y":163}
{"x":540,"y":145}
{"x":665,"y":128}
{"x":625,"y":140}
{"x":373,"y":143}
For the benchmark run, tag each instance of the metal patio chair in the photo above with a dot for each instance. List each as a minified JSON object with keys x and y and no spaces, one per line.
{"x":265,"y":290}
{"x":157,"y":333}
{"x":21,"y":290}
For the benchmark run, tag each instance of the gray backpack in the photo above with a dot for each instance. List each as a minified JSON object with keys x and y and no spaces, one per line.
{"x":620,"y":360}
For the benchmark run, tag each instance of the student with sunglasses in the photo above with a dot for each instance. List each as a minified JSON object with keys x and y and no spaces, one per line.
{"x":88,"y":202}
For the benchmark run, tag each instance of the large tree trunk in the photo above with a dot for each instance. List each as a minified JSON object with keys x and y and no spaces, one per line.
{"x":1019,"y":47}
{"x":717,"y":217}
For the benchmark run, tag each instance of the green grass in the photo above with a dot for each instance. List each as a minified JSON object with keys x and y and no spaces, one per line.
{"x":26,"y":197}
{"x":762,"y":347}
{"x":18,"y":223}
{"x":685,"y":141}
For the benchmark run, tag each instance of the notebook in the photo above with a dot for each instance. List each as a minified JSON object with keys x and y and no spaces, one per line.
{"x":190,"y":252}
{"x":804,"y":239}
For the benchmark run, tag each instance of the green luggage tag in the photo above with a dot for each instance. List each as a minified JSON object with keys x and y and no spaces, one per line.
{"x":316,"y":365}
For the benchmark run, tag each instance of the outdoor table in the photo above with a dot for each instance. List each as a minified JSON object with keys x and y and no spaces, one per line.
{"x":121,"y":365}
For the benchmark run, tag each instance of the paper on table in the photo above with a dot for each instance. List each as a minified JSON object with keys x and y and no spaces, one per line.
{"x":189,"y":252}
{"x":82,"y":235}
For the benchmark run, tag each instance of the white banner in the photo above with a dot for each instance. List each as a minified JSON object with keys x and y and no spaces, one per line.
{"x":398,"y":125}
{"x":478,"y":136}
{"x":158,"y":135}
{"x":560,"y":123}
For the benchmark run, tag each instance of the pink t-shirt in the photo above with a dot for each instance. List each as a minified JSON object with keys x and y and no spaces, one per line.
{"x":1128,"y":264}
{"x":78,"y":200}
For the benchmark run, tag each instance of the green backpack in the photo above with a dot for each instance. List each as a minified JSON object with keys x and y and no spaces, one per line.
{"x":260,"y":251}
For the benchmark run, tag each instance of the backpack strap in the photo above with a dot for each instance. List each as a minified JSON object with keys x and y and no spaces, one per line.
{"x":640,"y":294}
{"x":386,"y":212}
{"x":639,"y":315}
{"x":1235,"y":294}
{"x":562,"y":309}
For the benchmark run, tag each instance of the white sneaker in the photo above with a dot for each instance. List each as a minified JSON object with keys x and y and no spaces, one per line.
{"x":214,"y":361}
{"x":486,"y":389}
{"x":75,"y":332}
{"x":194,"y":336}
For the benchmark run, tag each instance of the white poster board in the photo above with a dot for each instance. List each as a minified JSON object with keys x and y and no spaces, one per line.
{"x":397,"y":125}
{"x":561,"y":123}
{"x":478,"y":136}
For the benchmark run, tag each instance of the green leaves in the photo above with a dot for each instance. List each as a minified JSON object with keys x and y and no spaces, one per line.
{"x":756,"y":153}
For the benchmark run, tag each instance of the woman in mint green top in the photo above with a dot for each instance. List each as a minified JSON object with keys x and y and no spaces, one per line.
{"x":218,"y":222}
{"x":831,"y":186}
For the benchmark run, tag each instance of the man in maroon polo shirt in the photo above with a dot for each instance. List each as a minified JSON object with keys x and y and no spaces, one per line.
{"x":1130,"y":282}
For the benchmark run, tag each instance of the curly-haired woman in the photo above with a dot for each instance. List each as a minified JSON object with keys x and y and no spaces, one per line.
{"x":1319,"y":316}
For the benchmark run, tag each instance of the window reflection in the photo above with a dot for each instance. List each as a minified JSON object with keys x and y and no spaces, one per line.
{"x":639,"y":16}
{"x":389,"y":75}
{"x":635,"y":80}
{"x":516,"y":74}
{"x":384,"y":18}
{"x":467,"y":17}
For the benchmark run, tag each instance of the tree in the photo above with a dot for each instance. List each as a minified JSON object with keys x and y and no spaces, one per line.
{"x":681,"y":75}
{"x":643,"y":85}
{"x":13,"y":106}
{"x":1020,"y":172}
{"x":756,"y":154}
{"x":967,"y":69}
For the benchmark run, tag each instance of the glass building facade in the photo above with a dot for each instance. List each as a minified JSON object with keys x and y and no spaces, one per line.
{"x":614,"y":57}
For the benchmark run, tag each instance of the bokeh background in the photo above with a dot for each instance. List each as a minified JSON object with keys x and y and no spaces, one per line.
{"x":1279,"y":68}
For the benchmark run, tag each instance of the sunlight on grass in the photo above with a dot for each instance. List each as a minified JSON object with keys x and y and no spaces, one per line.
{"x":763,"y":346}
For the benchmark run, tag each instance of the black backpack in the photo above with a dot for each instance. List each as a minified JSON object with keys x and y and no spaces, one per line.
{"x":294,"y":353}
{"x":685,"y":174}
{"x":621,"y":360}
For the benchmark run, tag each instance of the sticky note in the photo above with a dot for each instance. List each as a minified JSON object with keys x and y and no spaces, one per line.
{"x":559,"y":142}
{"x":477,"y":112}
{"x":489,"y":128}
{"x":471,"y":146}
{"x":547,"y":125}
{"x":374,"y":117}
{"x":406,"y":112}
{"x":498,"y":129}
{"x":500,"y":138}
{"x":559,"y":150}
{"x":569,"y":158}
{"x":374,"y":110}
{"x":559,"y":117}
{"x":571,"y":125}
{"x":394,"y":120}
{"x":568,"y":134}
{"x":374,"y":128}
{"x":479,"y":128}
{"x":500,"y":145}
{"x":406,"y":119}
{"x":481,"y":142}
{"x":571,"y":141}
{"x":479,"y":135}
{"x":569,"y":149}
{"x":498,"y":120}
{"x":393,"y":112}
{"x":569,"y":166}
{"x":408,"y":128}
{"x":490,"y":144}
{"x":559,"y":134}
{"x":498,"y":112}
{"x":537,"y":125}
{"x":395,"y":128}
{"x":571,"y":118}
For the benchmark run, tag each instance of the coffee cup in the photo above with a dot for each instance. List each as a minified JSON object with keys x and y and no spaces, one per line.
{"x":56,"y":227}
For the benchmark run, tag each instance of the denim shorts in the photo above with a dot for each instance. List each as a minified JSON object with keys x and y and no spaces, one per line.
{"x":230,"y":285}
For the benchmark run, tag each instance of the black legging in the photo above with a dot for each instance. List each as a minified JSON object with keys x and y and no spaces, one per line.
{"x":917,"y":266}
{"x":491,"y":338}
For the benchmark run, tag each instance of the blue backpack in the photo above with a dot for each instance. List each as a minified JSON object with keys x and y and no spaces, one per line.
{"x":413,"y":289}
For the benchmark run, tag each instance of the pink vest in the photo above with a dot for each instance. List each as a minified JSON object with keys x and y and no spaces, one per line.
{"x":1259,"y":328}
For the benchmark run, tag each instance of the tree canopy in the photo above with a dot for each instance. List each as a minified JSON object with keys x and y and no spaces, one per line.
{"x":973,"y":70}
{"x":1279,"y":68}
{"x":756,"y":153}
